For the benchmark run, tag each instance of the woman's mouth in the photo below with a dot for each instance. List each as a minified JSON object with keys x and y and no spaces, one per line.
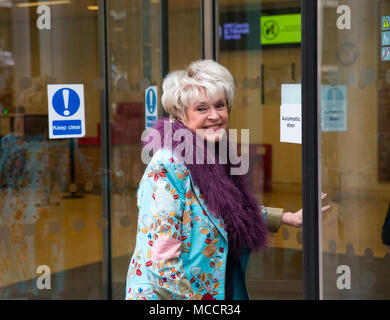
{"x":213,"y":127}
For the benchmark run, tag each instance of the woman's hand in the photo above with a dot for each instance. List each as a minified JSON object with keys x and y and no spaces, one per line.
{"x":292,"y":219}
{"x":295,"y":219}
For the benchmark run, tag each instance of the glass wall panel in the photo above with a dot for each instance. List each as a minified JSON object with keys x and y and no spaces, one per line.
{"x":50,"y":194}
{"x":259,"y":42}
{"x":355,"y":117}
{"x":135,"y":63}
{"x":184,"y":32}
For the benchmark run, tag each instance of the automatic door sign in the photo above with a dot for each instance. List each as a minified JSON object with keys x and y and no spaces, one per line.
{"x":291,"y":114}
{"x":66,"y":111}
{"x":334,"y":108}
{"x":150,"y":106}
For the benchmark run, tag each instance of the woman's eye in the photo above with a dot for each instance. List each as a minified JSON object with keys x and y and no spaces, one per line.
{"x":221,"y":106}
{"x":202,"y":109}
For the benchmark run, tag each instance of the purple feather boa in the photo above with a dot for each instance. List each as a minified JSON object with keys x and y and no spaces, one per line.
{"x":226,"y":195}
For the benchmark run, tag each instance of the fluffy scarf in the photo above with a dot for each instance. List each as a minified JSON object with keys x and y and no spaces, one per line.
{"x":226,"y":195}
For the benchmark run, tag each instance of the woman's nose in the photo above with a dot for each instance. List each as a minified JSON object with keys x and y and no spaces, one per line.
{"x":213,"y":114}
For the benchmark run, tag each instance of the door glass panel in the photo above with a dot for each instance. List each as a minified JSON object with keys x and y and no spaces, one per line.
{"x":184,"y":33}
{"x":355,"y":117}
{"x":50,"y":195}
{"x":253,"y":45}
{"x":135,"y":64}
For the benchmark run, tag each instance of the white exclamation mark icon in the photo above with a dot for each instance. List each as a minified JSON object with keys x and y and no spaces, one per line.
{"x":65,"y":95}
{"x":150,"y":99}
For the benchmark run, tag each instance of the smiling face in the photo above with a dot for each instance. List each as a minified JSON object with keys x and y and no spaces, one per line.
{"x":209,"y":116}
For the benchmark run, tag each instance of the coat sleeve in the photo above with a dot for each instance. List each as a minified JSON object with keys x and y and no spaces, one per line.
{"x":386,"y":229}
{"x":161,"y":204}
{"x":272,"y":218}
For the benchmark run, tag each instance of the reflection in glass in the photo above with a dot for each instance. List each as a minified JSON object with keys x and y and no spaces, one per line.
{"x":135,"y":58}
{"x":355,"y":155}
{"x":41,"y":223}
{"x":261,"y":59}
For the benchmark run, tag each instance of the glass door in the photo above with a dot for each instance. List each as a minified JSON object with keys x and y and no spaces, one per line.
{"x":51,"y":222}
{"x":134,"y":65}
{"x":135,"y":55}
{"x":259,"y":42}
{"x":355,"y":117}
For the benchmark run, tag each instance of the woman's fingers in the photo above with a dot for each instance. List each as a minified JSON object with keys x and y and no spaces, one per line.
{"x":323,"y":196}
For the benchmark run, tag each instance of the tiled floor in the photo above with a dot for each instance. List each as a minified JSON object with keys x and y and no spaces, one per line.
{"x":68,"y":237}
{"x":369,"y":279}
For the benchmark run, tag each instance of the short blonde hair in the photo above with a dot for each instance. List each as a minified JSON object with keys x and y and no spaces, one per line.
{"x":181,"y":87}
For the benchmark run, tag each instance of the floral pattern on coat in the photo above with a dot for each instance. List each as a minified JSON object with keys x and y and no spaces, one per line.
{"x":181,"y":248}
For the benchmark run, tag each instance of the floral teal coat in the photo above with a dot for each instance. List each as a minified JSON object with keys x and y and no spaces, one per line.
{"x":181,"y":247}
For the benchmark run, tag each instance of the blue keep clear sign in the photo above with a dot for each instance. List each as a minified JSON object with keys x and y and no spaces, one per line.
{"x":151,"y":106}
{"x":66,"y":111}
{"x":334,"y":108}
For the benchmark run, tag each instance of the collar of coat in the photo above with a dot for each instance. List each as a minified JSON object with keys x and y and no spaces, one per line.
{"x":226,"y":196}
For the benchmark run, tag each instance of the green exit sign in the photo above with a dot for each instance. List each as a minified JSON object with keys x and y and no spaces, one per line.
{"x":280,"y":29}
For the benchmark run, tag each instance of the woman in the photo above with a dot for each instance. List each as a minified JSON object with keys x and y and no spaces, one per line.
{"x":197,"y":222}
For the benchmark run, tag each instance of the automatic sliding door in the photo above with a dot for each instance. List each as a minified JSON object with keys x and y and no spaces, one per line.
{"x":135,"y":51}
{"x":50,"y":190}
{"x":259,"y":42}
{"x":355,"y":117}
